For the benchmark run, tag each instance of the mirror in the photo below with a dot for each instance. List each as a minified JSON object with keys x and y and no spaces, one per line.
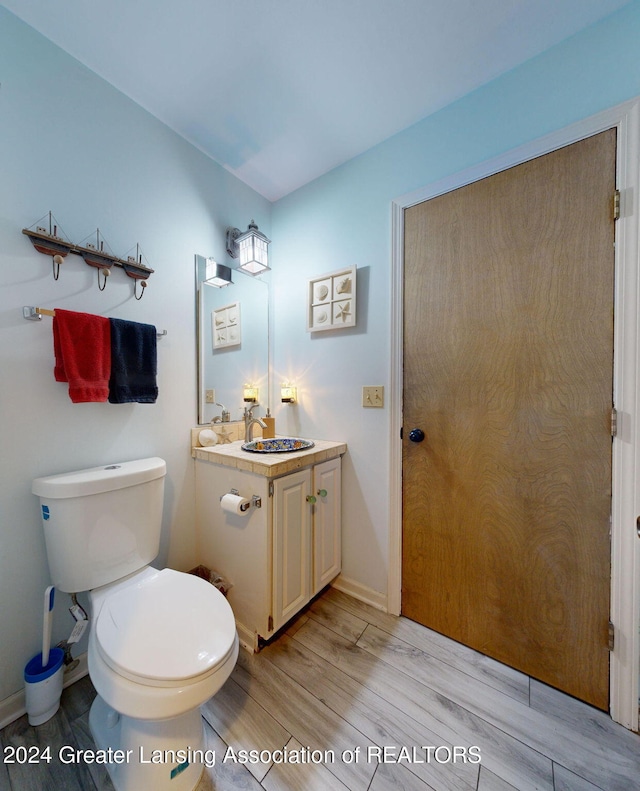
{"x":233,"y":342}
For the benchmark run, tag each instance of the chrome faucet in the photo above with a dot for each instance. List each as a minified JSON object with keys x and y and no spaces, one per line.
{"x":250,"y":421}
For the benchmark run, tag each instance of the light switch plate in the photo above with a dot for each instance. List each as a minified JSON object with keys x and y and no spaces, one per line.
{"x":210,"y":396}
{"x":373,"y":396}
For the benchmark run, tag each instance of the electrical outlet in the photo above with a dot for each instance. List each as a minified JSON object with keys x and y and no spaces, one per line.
{"x":210,"y":396}
{"x":373,"y":396}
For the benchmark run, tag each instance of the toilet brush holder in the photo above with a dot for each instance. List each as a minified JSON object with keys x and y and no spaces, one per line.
{"x":43,"y":686}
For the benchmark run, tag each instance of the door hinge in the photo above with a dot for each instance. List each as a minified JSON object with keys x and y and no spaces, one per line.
{"x":270,"y":624}
{"x":612,"y":636}
{"x":616,"y":205}
{"x":270,"y":488}
{"x":614,"y":422}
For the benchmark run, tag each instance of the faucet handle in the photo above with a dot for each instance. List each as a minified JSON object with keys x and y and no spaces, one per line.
{"x":226,"y":415}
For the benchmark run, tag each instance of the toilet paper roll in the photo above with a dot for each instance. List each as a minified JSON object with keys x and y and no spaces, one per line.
{"x":234,"y":504}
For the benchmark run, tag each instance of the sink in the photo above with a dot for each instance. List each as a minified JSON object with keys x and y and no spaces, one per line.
{"x":277,"y":445}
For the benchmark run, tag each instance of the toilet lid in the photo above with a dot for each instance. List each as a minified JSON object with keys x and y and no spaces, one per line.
{"x":168,"y":627}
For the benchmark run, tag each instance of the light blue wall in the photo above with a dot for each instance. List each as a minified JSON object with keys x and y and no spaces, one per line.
{"x":344,"y":218}
{"x":71,"y":143}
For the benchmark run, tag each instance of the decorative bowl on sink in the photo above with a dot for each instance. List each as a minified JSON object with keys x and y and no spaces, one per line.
{"x":277,"y":445}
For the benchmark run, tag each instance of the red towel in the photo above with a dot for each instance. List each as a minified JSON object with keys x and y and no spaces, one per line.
{"x":82,"y":347}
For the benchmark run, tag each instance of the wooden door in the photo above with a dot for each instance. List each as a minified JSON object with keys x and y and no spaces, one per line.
{"x":508,"y":370}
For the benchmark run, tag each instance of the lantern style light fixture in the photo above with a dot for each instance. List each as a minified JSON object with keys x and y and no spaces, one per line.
{"x":217,"y":275}
{"x":250,"y":247}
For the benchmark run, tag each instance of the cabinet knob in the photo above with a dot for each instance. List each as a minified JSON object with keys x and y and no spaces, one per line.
{"x":322,"y":492}
{"x":311,"y":499}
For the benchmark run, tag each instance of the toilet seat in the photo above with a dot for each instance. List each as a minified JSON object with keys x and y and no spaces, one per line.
{"x":166,"y":629}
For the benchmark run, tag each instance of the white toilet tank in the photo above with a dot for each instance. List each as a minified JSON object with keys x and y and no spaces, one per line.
{"x":102,"y":523}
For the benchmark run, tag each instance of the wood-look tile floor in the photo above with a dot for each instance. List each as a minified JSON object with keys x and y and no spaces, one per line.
{"x":348,"y":681}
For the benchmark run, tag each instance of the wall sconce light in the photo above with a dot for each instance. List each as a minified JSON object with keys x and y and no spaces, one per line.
{"x":250,"y":394}
{"x":250,"y":247}
{"x":217,"y":275}
{"x":288,"y":393}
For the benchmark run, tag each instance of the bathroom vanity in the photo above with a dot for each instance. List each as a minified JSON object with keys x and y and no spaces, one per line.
{"x":286,"y":546}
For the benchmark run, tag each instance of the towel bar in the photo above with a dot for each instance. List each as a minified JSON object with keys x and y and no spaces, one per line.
{"x":35,"y":314}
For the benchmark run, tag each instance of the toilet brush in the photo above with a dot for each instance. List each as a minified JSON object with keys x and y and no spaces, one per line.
{"x":49,"y":595}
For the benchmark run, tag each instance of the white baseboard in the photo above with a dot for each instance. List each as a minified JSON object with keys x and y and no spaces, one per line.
{"x":361,"y":592}
{"x":13,"y":707}
{"x":247,"y":638}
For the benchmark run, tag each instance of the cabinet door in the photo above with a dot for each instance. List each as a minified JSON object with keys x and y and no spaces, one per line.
{"x":327,"y":533}
{"x":291,"y":545}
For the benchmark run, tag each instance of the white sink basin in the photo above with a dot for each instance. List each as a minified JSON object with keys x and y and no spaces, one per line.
{"x":277,"y":445}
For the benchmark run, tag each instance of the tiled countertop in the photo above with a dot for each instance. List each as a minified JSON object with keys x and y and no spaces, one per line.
{"x":271,"y":465}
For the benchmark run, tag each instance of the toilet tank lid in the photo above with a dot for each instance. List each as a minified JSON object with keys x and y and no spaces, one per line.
{"x":96,"y":480}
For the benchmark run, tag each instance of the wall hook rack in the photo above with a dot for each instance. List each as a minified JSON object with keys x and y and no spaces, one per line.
{"x":49,"y":240}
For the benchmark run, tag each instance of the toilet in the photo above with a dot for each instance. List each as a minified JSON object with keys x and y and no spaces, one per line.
{"x":161,"y":643}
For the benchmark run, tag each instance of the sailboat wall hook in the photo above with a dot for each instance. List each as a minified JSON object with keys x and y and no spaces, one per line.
{"x":55,"y":263}
{"x":105,"y":272}
{"x":143,"y":285}
{"x":49,"y":240}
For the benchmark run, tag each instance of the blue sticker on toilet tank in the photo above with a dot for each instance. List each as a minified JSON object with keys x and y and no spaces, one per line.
{"x":45,"y":512}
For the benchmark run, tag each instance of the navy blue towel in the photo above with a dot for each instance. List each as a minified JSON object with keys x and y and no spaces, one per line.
{"x":133,"y":363}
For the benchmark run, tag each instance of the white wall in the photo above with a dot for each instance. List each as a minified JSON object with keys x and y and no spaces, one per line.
{"x":72,"y":144}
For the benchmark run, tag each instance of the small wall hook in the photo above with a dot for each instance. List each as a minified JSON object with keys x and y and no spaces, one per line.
{"x":143,"y":285}
{"x":55,"y":263}
{"x":105,"y":272}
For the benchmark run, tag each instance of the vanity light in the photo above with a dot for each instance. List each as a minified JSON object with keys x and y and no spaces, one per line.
{"x":250,"y":247}
{"x":217,"y":275}
{"x":288,"y":393}
{"x":250,"y":394}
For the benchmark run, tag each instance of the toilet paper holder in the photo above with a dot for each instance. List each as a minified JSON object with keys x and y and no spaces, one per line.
{"x":256,"y":500}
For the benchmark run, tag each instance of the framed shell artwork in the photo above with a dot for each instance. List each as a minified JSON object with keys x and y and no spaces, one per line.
{"x":225,"y":326}
{"x":332,"y":301}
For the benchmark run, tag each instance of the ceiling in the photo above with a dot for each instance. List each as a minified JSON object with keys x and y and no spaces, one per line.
{"x":282,"y":91}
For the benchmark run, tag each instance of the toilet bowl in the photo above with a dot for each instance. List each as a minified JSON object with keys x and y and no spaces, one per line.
{"x":161,"y":643}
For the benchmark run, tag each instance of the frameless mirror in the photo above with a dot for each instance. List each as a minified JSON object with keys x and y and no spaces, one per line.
{"x":233,"y":342}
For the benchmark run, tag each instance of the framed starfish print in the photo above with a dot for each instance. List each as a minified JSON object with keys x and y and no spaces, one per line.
{"x":225,"y":326}
{"x":332,"y":301}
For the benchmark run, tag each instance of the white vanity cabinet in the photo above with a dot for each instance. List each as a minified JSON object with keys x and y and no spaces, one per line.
{"x":306,"y":536}
{"x":287,"y":546}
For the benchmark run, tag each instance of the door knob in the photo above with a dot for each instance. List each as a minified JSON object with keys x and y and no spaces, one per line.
{"x":416,"y":435}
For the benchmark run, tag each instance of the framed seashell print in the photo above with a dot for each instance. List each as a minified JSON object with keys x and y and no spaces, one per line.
{"x":225,"y":326}
{"x":332,"y":301}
